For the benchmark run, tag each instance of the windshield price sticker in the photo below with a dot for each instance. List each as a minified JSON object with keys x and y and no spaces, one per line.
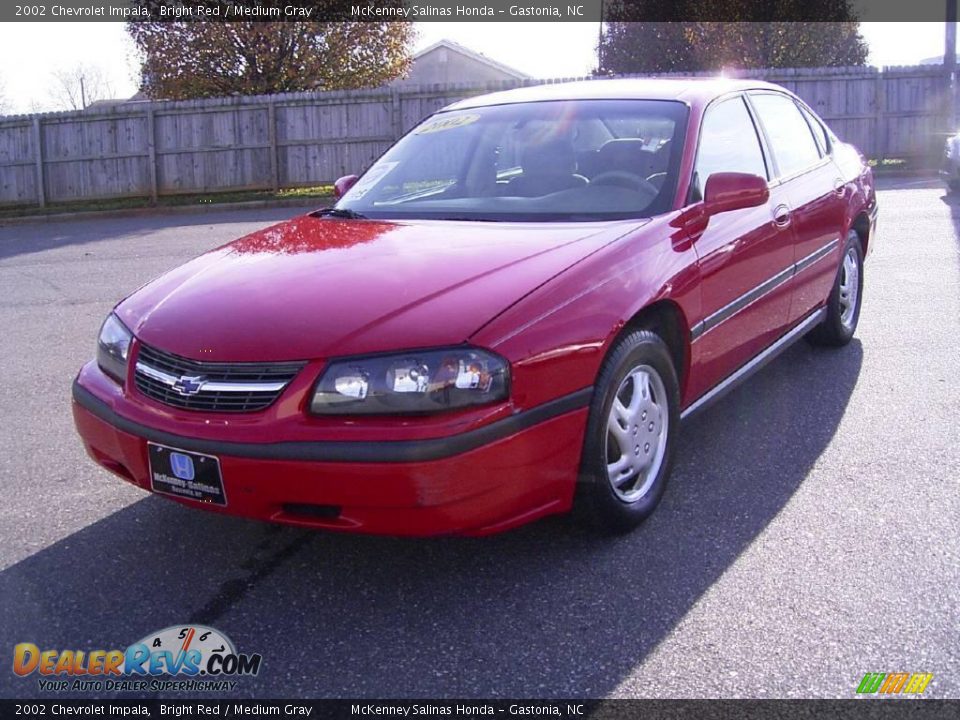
{"x":445,"y":123}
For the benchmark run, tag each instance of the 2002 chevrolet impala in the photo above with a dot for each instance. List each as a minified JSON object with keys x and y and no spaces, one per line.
{"x":507,"y":316}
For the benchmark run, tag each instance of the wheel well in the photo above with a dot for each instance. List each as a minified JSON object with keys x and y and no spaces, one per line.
{"x":862,"y":227}
{"x":667,"y":320}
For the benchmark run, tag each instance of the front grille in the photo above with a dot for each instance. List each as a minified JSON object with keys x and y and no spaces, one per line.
{"x":223,"y":387}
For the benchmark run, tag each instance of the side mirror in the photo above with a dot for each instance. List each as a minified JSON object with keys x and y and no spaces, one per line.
{"x":342,"y":186}
{"x":733,"y":191}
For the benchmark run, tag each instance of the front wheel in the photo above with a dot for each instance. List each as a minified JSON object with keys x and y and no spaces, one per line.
{"x":631,"y":431}
{"x":843,"y":305}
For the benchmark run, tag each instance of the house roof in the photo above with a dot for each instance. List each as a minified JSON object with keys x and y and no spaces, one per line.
{"x":473,"y":55}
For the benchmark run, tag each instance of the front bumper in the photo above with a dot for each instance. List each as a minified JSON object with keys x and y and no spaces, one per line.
{"x":480,"y":482}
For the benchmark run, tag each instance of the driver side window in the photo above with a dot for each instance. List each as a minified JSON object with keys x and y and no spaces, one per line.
{"x":728,"y":143}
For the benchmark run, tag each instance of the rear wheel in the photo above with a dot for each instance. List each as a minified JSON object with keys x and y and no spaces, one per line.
{"x":843,"y":305}
{"x":629,"y":445}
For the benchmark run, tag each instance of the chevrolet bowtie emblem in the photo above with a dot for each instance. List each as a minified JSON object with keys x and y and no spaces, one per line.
{"x":187,"y":385}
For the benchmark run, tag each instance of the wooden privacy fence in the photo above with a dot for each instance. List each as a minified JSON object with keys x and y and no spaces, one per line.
{"x":153,"y":149}
{"x":899,"y":113}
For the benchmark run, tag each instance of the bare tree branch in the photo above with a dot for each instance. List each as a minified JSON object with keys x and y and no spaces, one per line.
{"x":4,"y":101}
{"x":78,"y":87}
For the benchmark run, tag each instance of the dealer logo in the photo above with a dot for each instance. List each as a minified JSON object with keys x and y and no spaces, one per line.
{"x":894,"y":683}
{"x":182,"y":466}
{"x":187,"y":652}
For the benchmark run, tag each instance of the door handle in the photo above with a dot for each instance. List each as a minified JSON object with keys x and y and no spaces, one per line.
{"x":781,"y":216}
{"x":839,"y":187}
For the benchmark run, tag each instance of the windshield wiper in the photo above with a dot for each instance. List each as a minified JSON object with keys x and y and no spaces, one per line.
{"x":340,"y":213}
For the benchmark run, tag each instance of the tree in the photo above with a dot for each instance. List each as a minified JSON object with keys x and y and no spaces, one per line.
{"x":183,"y":60}
{"x":646,"y":47}
{"x":78,"y":87}
{"x":784,"y":44}
{"x":758,"y":38}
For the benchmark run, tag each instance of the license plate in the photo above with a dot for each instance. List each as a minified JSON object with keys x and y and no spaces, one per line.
{"x":183,"y":474}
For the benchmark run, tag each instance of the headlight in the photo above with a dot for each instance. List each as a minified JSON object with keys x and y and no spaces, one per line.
{"x":113,"y":348}
{"x":426,"y":381}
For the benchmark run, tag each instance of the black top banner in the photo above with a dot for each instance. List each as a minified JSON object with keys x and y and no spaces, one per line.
{"x":476,"y":11}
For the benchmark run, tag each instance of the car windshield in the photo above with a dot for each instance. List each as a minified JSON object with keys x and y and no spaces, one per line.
{"x":543,"y":161}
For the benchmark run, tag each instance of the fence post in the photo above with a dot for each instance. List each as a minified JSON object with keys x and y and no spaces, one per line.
{"x":396,"y":120}
{"x":152,"y":153}
{"x":38,"y":158}
{"x":950,"y":63}
{"x":880,"y":120}
{"x":274,"y":147}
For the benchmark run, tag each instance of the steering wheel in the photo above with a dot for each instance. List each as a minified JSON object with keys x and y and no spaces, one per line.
{"x":624,"y":179}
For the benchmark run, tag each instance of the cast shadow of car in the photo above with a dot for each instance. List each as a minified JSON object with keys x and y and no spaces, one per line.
{"x":96,"y":232}
{"x":951,"y":199}
{"x":545,"y":611}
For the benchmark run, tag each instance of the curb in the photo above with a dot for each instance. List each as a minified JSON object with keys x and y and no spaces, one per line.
{"x":165,"y":210}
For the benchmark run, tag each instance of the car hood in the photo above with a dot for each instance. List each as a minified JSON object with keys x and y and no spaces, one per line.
{"x":316,"y":287}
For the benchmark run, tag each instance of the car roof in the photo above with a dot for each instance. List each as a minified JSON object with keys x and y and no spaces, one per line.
{"x":693,"y":91}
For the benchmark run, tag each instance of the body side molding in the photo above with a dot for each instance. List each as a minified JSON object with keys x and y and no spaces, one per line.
{"x":756,"y":363}
{"x":716,"y":318}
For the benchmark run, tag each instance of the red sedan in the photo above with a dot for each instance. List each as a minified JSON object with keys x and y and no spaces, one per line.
{"x":507,"y":316}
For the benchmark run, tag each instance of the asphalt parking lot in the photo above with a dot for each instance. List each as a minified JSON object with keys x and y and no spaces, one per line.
{"x":809,"y":535}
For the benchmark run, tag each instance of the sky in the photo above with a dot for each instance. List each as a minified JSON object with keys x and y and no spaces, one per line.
{"x":31,"y":52}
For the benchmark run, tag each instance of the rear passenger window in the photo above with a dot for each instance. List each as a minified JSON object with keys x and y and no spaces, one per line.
{"x":728,"y":143}
{"x":791,"y":140}
{"x":819,"y":132}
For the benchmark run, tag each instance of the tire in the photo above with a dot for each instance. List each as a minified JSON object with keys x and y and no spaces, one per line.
{"x":840,"y":324}
{"x":618,"y":489}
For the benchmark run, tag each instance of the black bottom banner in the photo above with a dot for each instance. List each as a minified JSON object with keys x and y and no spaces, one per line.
{"x":872,"y":709}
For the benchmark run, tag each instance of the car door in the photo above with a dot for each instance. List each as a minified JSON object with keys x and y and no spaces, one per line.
{"x":745,"y":256}
{"x":815,"y":191}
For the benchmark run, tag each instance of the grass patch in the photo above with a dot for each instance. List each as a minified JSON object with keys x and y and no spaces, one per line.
{"x":320,"y":192}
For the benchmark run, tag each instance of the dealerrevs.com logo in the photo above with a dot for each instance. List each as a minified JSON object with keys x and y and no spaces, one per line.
{"x":190,"y":658}
{"x":895,"y":683}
